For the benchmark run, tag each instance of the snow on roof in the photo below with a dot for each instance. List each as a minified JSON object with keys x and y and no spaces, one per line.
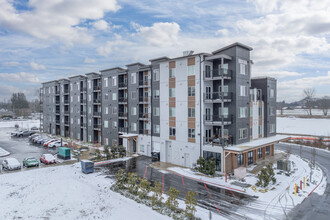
{"x":12,"y":161}
{"x":128,"y":135}
{"x":257,"y":143}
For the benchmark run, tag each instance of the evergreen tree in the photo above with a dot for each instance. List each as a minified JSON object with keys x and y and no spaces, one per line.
{"x":144,"y":187}
{"x":132,"y":181}
{"x":172,"y":202}
{"x":191,"y":203}
{"x":156,"y":197}
{"x":121,"y":178}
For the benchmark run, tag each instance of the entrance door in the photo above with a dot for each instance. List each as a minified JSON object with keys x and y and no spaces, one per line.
{"x":208,"y":92}
{"x":186,"y":160}
{"x":134,"y":146}
{"x":207,"y":114}
{"x":168,"y":152}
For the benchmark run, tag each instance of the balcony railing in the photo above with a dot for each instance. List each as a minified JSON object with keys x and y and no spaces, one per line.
{"x":143,"y":82}
{"x":216,"y":140}
{"x":218,"y":73}
{"x":57,"y":121}
{"x":97,"y":101}
{"x":83,"y":112}
{"x":143,"y":98}
{"x":83,"y":125}
{"x":66,"y":91}
{"x":97,"y":126}
{"x":97,"y":88}
{"x":122,"y":99}
{"x":122,"y":114}
{"x":57,"y":111}
{"x":66,"y":112}
{"x":143,"y":115}
{"x":83,"y":89}
{"x":214,"y":119}
{"x":57,"y":102}
{"x":123,"y":129}
{"x":143,"y":131}
{"x":57,"y":92}
{"x":122,"y":84}
{"x":97,"y":114}
{"x":66,"y":123}
{"x":213,"y":96}
{"x":83,"y":101}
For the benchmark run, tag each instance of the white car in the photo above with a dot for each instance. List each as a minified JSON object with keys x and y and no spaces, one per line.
{"x":57,"y":144}
{"x":11,"y":164}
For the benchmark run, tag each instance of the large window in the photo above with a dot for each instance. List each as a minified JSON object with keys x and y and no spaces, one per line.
{"x":191,"y":112}
{"x":243,"y":133}
{"x":243,"y":112}
{"x":172,"y":72}
{"x":224,"y":112}
{"x":259,"y":153}
{"x":156,"y":129}
{"x":133,"y":78}
{"x":242,"y":91}
{"x":114,"y":96}
{"x":133,"y":110}
{"x":114,"y":81}
{"x":133,"y":95}
{"x":191,"y":133}
{"x":172,"y":112}
{"x":106,"y":124}
{"x":250,"y":157}
{"x":133,"y":126}
{"x":191,"y":70}
{"x":156,"y":94}
{"x":156,"y":111}
{"x":240,"y":159}
{"x":271,"y":128}
{"x":191,"y":91}
{"x":105,"y":82}
{"x":172,"y":131}
{"x":216,"y":156}
{"x":242,"y":67}
{"x":172,"y":92}
{"x":267,"y":150}
{"x":156,"y":74}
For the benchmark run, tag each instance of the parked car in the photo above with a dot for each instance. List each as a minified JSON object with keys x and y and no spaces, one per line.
{"x":47,"y":159}
{"x":25,"y":133}
{"x":39,"y":138}
{"x":49,"y":141}
{"x":58,"y":144}
{"x":34,"y":129}
{"x":33,"y":136}
{"x":11,"y":164}
{"x":44,"y":141}
{"x":155,"y":156}
{"x":30,"y":162}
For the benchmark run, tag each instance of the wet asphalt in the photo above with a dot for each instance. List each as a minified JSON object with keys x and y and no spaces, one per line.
{"x":314,"y":207}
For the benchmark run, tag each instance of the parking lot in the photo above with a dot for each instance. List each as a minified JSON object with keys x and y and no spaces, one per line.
{"x":20,"y":147}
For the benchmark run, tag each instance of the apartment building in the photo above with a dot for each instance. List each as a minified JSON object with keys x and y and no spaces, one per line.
{"x":203,"y":104}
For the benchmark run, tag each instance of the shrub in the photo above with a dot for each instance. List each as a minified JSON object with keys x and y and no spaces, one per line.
{"x":156,"y":198}
{"x":171,"y":201}
{"x":132,"y":181}
{"x":144,"y":187}
{"x":107,"y":153}
{"x":122,"y":151}
{"x":206,"y":166}
{"x":98,"y":155}
{"x":266,"y":175}
{"x":121,"y":178}
{"x":191,"y":203}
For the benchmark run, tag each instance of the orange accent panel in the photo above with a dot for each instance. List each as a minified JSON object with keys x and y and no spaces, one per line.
{"x":191,"y":80}
{"x":191,"y":140}
{"x":172,"y":138}
{"x":191,"y":123}
{"x":171,"y":64}
{"x":171,"y":82}
{"x":191,"y":61}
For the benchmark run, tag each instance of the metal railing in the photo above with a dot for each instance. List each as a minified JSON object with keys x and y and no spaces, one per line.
{"x":218,"y":73}
{"x":97,"y":126}
{"x":122,"y":99}
{"x":143,"y":98}
{"x":218,"y":118}
{"x":218,"y":96}
{"x":98,"y":114}
{"x":123,"y":129}
{"x":143,"y":82}
{"x":122,"y":84}
{"x":143,"y":131}
{"x":143,"y":115}
{"x":97,"y":88}
{"x":122,"y":114}
{"x":97,"y":101}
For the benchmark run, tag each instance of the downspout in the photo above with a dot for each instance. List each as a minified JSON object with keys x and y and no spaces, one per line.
{"x":151,"y":121}
{"x":200,"y":106}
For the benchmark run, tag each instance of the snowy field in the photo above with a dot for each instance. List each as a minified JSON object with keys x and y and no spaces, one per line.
{"x":300,"y":112}
{"x":23,"y":124}
{"x":279,"y":198}
{"x":309,"y":126}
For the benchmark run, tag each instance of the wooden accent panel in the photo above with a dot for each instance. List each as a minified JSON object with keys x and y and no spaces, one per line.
{"x":260,"y":104}
{"x":191,"y":140}
{"x":250,"y":104}
{"x":191,"y":80}
{"x":171,"y":102}
{"x":172,"y":138}
{"x":263,"y":152}
{"x":245,"y":159}
{"x":251,"y":122}
{"x":145,"y":72}
{"x":191,"y":123}
{"x":172,"y":122}
{"x":260,"y":121}
{"x":232,"y":162}
{"x":171,"y":82}
{"x":171,"y":64}
{"x":191,"y":61}
{"x":191,"y":99}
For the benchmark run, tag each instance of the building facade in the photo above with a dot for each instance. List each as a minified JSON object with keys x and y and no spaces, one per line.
{"x":195,"y":105}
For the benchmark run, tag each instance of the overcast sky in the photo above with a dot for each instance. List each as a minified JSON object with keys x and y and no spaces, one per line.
{"x":42,"y":40}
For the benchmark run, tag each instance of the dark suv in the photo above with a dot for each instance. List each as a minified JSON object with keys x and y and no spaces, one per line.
{"x":155,"y":156}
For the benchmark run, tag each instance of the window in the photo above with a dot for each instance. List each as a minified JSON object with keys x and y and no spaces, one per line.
{"x":191,"y":133}
{"x":114,"y":124}
{"x":106,"y":141}
{"x":260,"y":111}
{"x":106,"y":96}
{"x":207,"y":71}
{"x":142,"y":148}
{"x":89,"y":110}
{"x":133,"y":95}
{"x":260,"y":129}
{"x":243,"y":133}
{"x":133,"y":110}
{"x":172,"y":131}
{"x":71,"y":120}
{"x":133,"y":126}
{"x":90,"y":138}
{"x":250,"y":157}
{"x":191,"y":91}
{"x":191,"y":112}
{"x":191,"y":70}
{"x":106,"y":124}
{"x":272,"y":93}
{"x":172,"y":72}
{"x":78,"y":121}
{"x":89,"y":84}
{"x":243,"y":112}
{"x":267,"y":150}
{"x":260,"y":153}
{"x":156,"y":111}
{"x":106,"y":82}
{"x":216,"y":157}
{"x":242,"y":66}
{"x":133,"y":78}
{"x":114,"y":81}
{"x":78,"y":99}
{"x":114,"y":96}
{"x":224,"y":112}
{"x":271,"y":128}
{"x":106,"y":110}
{"x":71,"y":99}
{"x":172,"y":92}
{"x":271,"y":111}
{"x":89,"y":98}
{"x":156,"y":94}
{"x":90,"y":122}
{"x":240,"y":159}
{"x":156,"y":75}
{"x":172,"y":112}
{"x":156,"y":129}
{"x":71,"y":86}
{"x":242,"y":91}
{"x":114,"y":110}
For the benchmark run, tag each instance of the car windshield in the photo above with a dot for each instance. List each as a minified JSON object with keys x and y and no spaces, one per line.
{"x":30,"y":159}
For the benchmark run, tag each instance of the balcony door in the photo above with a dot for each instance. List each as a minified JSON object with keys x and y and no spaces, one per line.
{"x":208,"y":92}
{"x":223,"y":89}
{"x":207,"y":114}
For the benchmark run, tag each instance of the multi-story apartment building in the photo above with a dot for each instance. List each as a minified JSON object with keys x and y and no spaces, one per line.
{"x":195,"y":105}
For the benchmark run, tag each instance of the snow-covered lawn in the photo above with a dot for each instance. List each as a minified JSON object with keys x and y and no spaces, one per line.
{"x":279,"y":197}
{"x":300,"y":111}
{"x":23,"y":124}
{"x":307,"y":126}
{"x":3,"y":152}
{"x":64,"y":192}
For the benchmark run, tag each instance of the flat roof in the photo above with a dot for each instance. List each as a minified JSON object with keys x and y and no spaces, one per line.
{"x":128,"y":135}
{"x":159,"y":58}
{"x":263,"y":77}
{"x":257,"y":143}
{"x":133,"y":64}
{"x":77,"y":76}
{"x":114,"y":68}
{"x":233,"y":45}
{"x":92,"y":73}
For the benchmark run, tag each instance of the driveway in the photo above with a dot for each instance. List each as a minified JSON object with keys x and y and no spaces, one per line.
{"x":315,"y":206}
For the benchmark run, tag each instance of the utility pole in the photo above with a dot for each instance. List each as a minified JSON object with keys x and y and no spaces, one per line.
{"x":312,"y":161}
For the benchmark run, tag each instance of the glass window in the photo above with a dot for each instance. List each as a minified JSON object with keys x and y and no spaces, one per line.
{"x":260,"y":153}
{"x":216,"y":156}
{"x":133,"y":126}
{"x":272,"y":93}
{"x":242,"y":69}
{"x":267,"y":150}
{"x":271,"y":128}
{"x":191,"y":133}
{"x":250,"y":157}
{"x":156,"y":94}
{"x":172,"y":112}
{"x":156,"y":129}
{"x":172,"y":72}
{"x":133,"y":110}
{"x":106,"y":110}
{"x":106,"y":124}
{"x":114,"y":96}
{"x":191,"y":70}
{"x":243,"y":133}
{"x":242,"y":90}
{"x":240,"y":159}
{"x":133,"y":78}
{"x":156,"y":111}
{"x":191,"y":91}
{"x":156,"y":74}
{"x":172,"y":92}
{"x":114,"y":110}
{"x":114,"y":81}
{"x":243,"y":112}
{"x":106,"y":82}
{"x":172,"y":131}
{"x":191,"y":112}
{"x":133,"y":94}
{"x":114,"y":124}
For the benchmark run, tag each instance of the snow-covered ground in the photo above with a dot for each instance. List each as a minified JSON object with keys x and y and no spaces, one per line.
{"x":319,"y":127}
{"x":300,"y":112}
{"x":23,"y":124}
{"x":3,"y":152}
{"x":64,"y":192}
{"x":279,"y":198}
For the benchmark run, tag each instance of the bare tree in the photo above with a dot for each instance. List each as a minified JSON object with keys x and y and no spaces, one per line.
{"x":309,"y":94}
{"x":282,"y":106}
{"x":324,"y":105}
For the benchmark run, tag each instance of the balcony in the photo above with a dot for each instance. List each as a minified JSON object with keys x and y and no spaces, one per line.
{"x":122,"y":114}
{"x":123,"y":129}
{"x":122,"y":85}
{"x":83,"y":113}
{"x":218,"y":120}
{"x":66,"y":101}
{"x":57,"y":92}
{"x":143,"y":99}
{"x":66,"y":112}
{"x":216,"y":140}
{"x":57,"y":121}
{"x":83,"y":125}
{"x":218,"y":97}
{"x":57,"y":112}
{"x":143,"y":131}
{"x":122,"y":99}
{"x":144,"y":82}
{"x":83,"y":90}
{"x":97,"y":88}
{"x":97,"y":101}
{"x":143,"y":115}
{"x":97,"y":114}
{"x":66,"y":123}
{"x":66,"y":91}
{"x":97,"y":127}
{"x":218,"y":74}
{"x":57,"y":102}
{"x":83,"y":101}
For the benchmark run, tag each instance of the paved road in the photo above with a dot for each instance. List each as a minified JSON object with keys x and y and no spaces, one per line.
{"x":314,"y":207}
